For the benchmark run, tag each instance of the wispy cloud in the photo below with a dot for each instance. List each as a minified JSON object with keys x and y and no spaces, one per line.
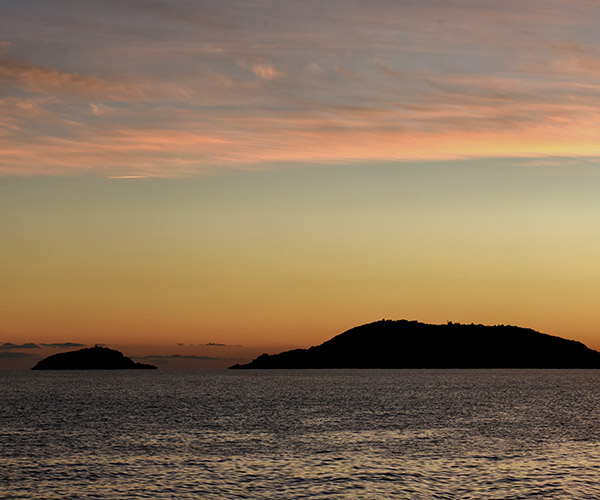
{"x":39,"y":79}
{"x":217,"y":344}
{"x":179,"y":356}
{"x":266,"y":72}
{"x":282,"y":82}
{"x":385,"y":66}
{"x":128,"y":176}
{"x":61,"y":345}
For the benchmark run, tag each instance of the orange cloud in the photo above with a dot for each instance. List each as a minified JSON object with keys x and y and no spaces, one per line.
{"x":302,"y":138}
{"x":266,"y":72}
{"x":43,"y":80}
{"x":406,"y":82}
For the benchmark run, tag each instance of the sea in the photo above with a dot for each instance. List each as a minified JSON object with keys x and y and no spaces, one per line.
{"x":300,"y":434}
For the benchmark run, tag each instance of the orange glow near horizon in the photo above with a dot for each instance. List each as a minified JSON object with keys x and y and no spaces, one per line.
{"x":292,"y":258}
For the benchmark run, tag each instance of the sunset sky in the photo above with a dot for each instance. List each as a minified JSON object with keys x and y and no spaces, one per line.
{"x":212,"y":180}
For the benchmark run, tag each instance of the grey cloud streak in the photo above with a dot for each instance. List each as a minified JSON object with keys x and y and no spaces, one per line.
{"x":10,"y":346}
{"x":60,"y":345}
{"x":179,"y":356}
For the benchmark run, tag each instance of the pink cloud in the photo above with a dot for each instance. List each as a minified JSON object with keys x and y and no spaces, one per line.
{"x":266,"y":72}
{"x":283,"y":82}
{"x":39,"y":79}
{"x":304,"y":137}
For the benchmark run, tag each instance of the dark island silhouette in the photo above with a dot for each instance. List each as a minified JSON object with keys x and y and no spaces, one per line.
{"x":92,"y":358}
{"x":410,"y":344}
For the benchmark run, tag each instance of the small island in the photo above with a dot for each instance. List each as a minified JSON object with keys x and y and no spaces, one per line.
{"x":93,"y":358}
{"x":411,"y":344}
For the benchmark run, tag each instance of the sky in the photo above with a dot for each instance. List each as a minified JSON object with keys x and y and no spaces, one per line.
{"x":198,"y":182}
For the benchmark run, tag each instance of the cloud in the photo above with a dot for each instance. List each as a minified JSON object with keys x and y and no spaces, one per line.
{"x":385,"y":66}
{"x":39,"y":79}
{"x":266,"y":72}
{"x":375,"y":81}
{"x":576,"y":59}
{"x":60,"y":345}
{"x":421,"y":131}
{"x":179,"y":356}
{"x":216,"y":344}
{"x":128,"y":176}
{"x":28,"y":345}
{"x":315,"y":69}
{"x":98,"y":109}
{"x":442,"y":116}
{"x":16,"y":113}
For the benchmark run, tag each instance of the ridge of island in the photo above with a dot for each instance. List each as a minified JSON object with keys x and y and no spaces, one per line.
{"x":91,"y":358}
{"x":411,"y":344}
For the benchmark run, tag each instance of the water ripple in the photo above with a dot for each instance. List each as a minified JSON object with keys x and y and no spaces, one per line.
{"x":314,"y":435}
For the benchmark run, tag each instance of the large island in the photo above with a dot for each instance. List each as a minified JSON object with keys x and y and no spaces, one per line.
{"x":92,"y":358}
{"x":411,"y":344}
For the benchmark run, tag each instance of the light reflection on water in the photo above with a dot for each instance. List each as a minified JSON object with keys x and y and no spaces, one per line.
{"x":301,"y":434}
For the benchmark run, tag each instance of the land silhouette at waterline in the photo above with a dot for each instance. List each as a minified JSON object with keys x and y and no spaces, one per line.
{"x":411,"y":344}
{"x":92,"y":358}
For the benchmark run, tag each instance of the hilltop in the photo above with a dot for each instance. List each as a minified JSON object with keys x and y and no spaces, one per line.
{"x":411,"y":344}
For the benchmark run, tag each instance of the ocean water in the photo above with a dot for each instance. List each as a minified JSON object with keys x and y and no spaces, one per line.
{"x":322,"y":434}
